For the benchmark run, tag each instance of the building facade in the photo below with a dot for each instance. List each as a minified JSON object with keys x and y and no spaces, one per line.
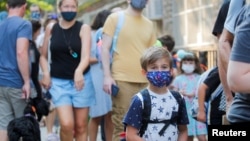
{"x":190,"y":22}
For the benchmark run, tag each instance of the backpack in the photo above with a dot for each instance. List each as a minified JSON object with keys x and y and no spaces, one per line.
{"x":147,"y":112}
{"x":98,"y":36}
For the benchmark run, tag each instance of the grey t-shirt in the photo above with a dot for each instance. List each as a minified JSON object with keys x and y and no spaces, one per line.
{"x":234,"y":9}
{"x":240,"y":108}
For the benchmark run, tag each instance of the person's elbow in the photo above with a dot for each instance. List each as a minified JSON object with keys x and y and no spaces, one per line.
{"x":225,"y":40}
{"x":202,"y":89}
{"x":21,"y":55}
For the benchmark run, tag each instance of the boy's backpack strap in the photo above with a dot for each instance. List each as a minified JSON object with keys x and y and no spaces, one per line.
{"x":177,"y":96}
{"x":121,"y":17}
{"x":146,"y":111}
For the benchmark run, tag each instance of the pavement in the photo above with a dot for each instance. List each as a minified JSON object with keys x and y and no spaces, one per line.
{"x":44,"y":133}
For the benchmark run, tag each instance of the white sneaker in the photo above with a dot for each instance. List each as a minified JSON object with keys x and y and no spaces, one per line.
{"x":53,"y":137}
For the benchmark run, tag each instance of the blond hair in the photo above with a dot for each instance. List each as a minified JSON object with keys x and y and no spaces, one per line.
{"x":61,"y":2}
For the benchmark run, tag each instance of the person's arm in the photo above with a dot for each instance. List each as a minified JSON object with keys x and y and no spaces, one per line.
{"x":107,"y":41}
{"x":201,"y":116}
{"x":183,"y":134}
{"x":133,"y":119}
{"x":93,"y":60}
{"x":39,"y":41}
{"x":225,"y":44}
{"x":239,"y":76}
{"x":132,"y":134}
{"x":23,"y":64}
{"x":108,"y":80}
{"x":85,"y":35}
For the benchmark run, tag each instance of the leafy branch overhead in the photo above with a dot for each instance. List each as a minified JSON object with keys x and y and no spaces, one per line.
{"x":45,"y":5}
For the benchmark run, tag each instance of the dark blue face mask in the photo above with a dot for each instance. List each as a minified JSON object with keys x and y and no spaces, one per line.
{"x":68,"y":16}
{"x":159,"y":78}
{"x":138,"y":4}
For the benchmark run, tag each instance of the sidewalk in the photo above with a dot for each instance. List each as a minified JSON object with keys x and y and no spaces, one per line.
{"x":44,"y":134}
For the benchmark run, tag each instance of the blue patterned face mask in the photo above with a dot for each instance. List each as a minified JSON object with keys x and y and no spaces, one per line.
{"x":159,"y":78}
{"x":35,"y":15}
{"x":138,"y":4}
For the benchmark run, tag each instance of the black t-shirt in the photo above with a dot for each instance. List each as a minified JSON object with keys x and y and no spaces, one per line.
{"x":221,"y":18}
{"x":212,"y":81}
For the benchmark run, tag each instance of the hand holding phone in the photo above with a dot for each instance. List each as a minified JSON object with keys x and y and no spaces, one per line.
{"x":114,"y":90}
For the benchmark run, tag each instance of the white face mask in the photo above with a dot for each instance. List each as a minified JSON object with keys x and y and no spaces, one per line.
{"x":188,"y":68}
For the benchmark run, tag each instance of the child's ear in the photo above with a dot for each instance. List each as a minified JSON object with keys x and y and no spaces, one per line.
{"x":144,"y":72}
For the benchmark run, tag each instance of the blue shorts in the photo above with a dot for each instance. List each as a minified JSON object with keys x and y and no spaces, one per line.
{"x":63,"y":92}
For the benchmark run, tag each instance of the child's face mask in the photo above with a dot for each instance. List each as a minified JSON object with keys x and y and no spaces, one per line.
{"x":159,"y":78}
{"x":188,"y":68}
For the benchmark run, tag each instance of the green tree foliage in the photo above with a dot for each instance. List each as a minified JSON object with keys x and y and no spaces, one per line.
{"x":45,"y":5}
{"x":2,"y":5}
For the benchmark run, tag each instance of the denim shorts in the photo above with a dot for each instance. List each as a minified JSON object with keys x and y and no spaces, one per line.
{"x":63,"y":92}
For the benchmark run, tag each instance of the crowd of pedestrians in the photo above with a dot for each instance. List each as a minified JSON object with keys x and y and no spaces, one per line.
{"x":81,"y":64}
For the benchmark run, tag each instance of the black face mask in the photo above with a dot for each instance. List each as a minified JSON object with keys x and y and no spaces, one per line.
{"x":68,"y":16}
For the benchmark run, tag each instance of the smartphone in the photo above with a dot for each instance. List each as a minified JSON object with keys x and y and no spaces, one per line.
{"x":114,"y":90}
